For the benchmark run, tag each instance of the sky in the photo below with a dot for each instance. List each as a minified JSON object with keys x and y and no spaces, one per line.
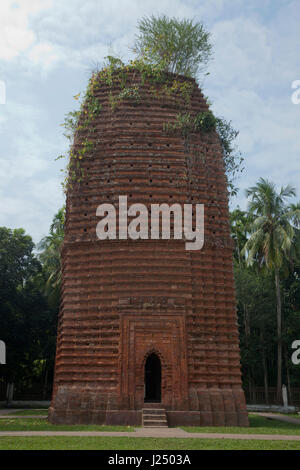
{"x":49,"y":47}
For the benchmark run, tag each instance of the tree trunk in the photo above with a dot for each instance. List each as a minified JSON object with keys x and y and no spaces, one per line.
{"x":238,"y":246}
{"x":9,"y":393}
{"x":264,"y":361}
{"x":253,"y":390}
{"x":252,"y":393}
{"x":251,"y":385}
{"x":279,"y":338}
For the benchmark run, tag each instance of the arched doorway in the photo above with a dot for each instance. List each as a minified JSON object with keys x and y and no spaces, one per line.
{"x":153,"y":379}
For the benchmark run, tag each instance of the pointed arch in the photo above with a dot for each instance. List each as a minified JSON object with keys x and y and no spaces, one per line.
{"x":154,"y":351}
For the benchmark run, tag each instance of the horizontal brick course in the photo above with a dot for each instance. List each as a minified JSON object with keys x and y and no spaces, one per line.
{"x":123,"y":299}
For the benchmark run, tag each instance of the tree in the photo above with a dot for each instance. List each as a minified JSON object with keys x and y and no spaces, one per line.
{"x":17,"y":269}
{"x":178,"y":46}
{"x":240,"y":227}
{"x":17,"y":262}
{"x":27,"y":318}
{"x":50,"y":247}
{"x":272,"y":243}
{"x":255,"y":303}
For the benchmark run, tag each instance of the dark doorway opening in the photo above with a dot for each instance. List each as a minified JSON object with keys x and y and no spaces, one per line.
{"x":153,"y":379}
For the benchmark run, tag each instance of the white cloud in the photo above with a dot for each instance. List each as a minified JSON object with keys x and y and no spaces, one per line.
{"x":250,"y":83}
{"x":243,"y":53}
{"x":16,"y":35}
{"x":34,"y":212}
{"x":44,"y":55}
{"x":255,"y":62}
{"x":15,"y":40}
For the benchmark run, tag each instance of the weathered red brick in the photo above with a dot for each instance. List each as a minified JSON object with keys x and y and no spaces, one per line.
{"x":124,"y":299}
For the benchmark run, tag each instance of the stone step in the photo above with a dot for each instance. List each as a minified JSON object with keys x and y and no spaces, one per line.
{"x":154,"y":412}
{"x":154,"y":417}
{"x":155,"y":423}
{"x":162,"y":410}
{"x":156,"y":426}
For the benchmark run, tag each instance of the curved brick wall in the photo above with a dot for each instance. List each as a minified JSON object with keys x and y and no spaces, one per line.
{"x":123,"y":299}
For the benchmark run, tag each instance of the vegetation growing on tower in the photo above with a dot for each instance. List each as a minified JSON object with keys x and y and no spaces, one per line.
{"x":180,"y":46}
{"x":170,"y":54}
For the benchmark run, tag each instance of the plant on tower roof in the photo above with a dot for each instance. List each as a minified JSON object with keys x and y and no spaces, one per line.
{"x":179,"y":46}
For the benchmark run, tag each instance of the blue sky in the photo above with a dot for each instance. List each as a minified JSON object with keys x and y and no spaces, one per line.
{"x":48,"y":48}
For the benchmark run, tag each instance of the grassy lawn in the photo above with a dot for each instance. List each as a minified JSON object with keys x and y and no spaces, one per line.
{"x":139,"y":443}
{"x":258,"y":425}
{"x":32,"y":424}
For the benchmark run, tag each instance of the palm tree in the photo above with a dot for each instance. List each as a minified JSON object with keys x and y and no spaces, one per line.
{"x":50,"y":247}
{"x":241,"y":223}
{"x":272,"y":244}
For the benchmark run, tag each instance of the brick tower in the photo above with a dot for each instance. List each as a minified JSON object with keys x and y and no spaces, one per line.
{"x":147,"y":321}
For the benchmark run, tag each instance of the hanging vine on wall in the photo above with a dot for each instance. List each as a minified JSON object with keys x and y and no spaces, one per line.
{"x":186,"y":124}
{"x":126,"y":85}
{"x":206,"y":122}
{"x":75,"y":122}
{"x":115,"y":74}
{"x":170,"y":53}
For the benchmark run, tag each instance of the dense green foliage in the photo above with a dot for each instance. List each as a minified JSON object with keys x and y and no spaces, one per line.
{"x":267,"y":270}
{"x":50,"y":247}
{"x":179,"y":46}
{"x":29,"y":299}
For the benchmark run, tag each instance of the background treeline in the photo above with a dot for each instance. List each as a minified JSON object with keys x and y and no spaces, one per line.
{"x":267,"y":273}
{"x":266,"y":241}
{"x":29,"y":303}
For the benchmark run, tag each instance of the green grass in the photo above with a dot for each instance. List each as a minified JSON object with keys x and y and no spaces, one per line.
{"x":27,"y":412}
{"x":32,"y":424}
{"x":139,"y":443}
{"x":258,"y":425}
